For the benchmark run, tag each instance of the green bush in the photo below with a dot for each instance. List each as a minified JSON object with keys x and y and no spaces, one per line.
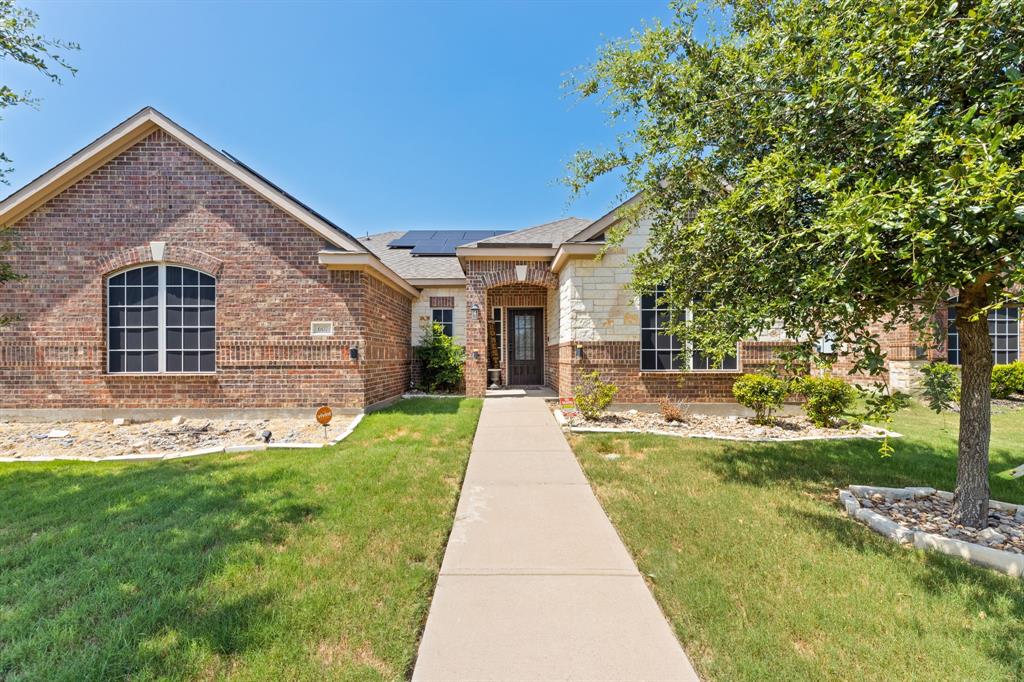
{"x":827,"y":399}
{"x":593,"y":395}
{"x":442,"y":362}
{"x":941,"y":385}
{"x":761,"y":393}
{"x":1008,"y":380}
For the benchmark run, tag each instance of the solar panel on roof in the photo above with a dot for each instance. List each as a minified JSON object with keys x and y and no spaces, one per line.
{"x":439,"y":242}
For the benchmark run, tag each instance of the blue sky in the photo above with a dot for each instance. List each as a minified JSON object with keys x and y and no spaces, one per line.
{"x":379,"y":115}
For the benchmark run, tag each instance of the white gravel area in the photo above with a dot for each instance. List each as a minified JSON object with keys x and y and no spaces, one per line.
{"x":727,"y":427}
{"x":104,"y":438}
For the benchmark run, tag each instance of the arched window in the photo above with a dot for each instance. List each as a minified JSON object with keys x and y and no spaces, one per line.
{"x":161,"y":318}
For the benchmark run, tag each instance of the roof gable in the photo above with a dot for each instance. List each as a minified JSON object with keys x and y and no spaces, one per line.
{"x":132,"y":131}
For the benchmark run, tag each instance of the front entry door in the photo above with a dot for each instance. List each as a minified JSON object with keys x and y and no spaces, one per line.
{"x":526,"y":347}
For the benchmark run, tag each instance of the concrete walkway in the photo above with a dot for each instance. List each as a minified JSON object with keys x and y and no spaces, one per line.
{"x":535,"y":583}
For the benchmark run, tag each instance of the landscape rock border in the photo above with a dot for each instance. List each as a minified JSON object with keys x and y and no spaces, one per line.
{"x":1010,"y":563}
{"x":879,"y":433}
{"x":183,"y":454}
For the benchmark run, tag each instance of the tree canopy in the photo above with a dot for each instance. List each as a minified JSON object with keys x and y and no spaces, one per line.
{"x":827,"y":165}
{"x":843,"y":162}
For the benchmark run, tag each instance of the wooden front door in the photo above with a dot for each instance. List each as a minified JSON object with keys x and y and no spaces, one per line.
{"x":526,"y":347}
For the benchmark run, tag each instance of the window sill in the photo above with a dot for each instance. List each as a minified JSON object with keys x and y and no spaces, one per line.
{"x":690,"y":371}
{"x":160,"y":374}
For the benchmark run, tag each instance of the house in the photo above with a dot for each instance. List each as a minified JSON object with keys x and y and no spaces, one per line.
{"x":162,"y":273}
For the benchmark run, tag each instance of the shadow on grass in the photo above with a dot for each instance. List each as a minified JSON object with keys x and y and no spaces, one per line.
{"x":100,"y":562}
{"x":980,"y":591}
{"x":836,"y":464}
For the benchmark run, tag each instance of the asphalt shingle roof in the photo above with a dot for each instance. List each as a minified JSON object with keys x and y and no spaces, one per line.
{"x":408,"y":266}
{"x":553,"y":234}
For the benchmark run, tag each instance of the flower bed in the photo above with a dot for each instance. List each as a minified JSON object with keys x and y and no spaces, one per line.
{"x":923,"y":517}
{"x":783,"y":428}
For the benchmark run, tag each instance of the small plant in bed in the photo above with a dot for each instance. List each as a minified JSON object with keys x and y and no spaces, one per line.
{"x":828,"y":399}
{"x":593,"y":396}
{"x":761,"y":393}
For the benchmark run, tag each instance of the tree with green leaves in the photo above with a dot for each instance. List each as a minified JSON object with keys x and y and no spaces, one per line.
{"x":20,"y":43}
{"x":829,"y":165}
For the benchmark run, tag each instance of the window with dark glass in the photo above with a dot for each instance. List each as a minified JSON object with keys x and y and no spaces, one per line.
{"x":496,"y":321}
{"x":1003,"y":332}
{"x":161,"y":318}
{"x":661,"y":351}
{"x":443,"y":317}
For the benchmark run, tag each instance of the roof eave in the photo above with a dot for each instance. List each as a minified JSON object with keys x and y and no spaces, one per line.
{"x":346,"y":260}
{"x":568,"y":251}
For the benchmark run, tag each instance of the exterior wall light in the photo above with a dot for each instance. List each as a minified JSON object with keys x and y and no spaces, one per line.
{"x":579,"y":351}
{"x":353,"y":353}
{"x":476,"y":310}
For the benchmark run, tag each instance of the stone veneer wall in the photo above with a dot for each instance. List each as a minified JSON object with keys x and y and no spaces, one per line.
{"x":270,"y":286}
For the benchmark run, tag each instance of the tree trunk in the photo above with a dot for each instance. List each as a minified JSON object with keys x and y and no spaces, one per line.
{"x":970,"y":499}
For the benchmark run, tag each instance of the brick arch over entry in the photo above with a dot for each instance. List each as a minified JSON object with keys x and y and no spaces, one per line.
{"x":180,"y":255}
{"x":502,"y":273}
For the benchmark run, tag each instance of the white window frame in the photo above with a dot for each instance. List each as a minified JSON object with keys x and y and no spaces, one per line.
{"x":688,"y":349}
{"x":161,"y":321}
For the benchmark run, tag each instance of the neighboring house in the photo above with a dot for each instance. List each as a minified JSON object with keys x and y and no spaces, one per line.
{"x":160,"y":272}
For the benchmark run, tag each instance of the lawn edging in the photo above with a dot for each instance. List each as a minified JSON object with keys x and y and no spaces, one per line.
{"x":1010,"y":563}
{"x":184,"y":454}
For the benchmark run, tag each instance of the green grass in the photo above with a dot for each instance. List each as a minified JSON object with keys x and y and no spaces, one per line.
{"x":277,"y":565}
{"x":764,"y":578}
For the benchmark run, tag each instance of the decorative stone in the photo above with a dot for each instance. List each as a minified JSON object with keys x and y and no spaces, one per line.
{"x":178,"y":421}
{"x":58,"y":433}
{"x":927,"y":522}
{"x":991,"y":536}
{"x":122,"y":421}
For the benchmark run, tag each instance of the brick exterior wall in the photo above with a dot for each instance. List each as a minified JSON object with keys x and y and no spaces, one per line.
{"x":619,"y":363}
{"x":269,"y":288}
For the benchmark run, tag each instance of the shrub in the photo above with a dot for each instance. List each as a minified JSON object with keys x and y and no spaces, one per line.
{"x":442,"y":361}
{"x":761,"y":393}
{"x":941,"y":385}
{"x":671,"y":412}
{"x":827,"y":399}
{"x":1007,"y":379}
{"x":593,"y":395}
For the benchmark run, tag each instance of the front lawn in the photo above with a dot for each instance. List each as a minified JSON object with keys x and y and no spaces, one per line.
{"x":764,"y":577}
{"x":276,"y":565}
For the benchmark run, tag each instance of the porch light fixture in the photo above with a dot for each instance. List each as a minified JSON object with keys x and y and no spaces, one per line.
{"x":353,"y":353}
{"x":579,"y":351}
{"x":476,"y":310}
